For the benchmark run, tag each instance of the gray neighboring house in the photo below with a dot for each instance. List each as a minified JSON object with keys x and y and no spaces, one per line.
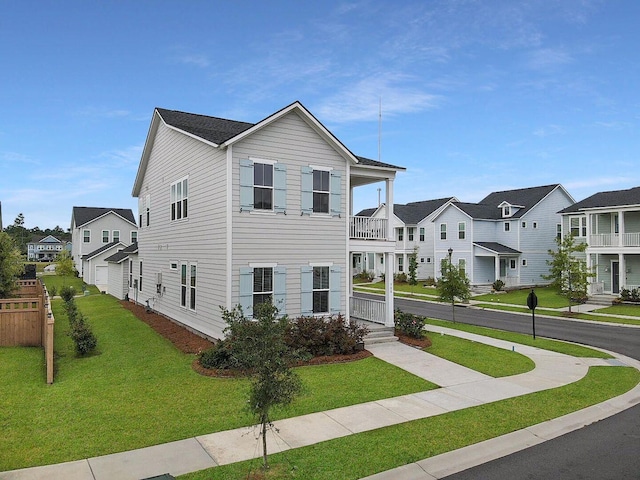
{"x":609,"y":222}
{"x":234,"y":213}
{"x":412,"y":226}
{"x":96,"y":233}
{"x":46,"y":249}
{"x":506,"y":236}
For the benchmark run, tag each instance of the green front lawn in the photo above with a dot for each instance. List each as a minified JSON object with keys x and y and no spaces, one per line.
{"x":547,"y":297}
{"x":628,"y":310}
{"x":58,"y":282}
{"x":401,"y":444}
{"x":404,"y":288}
{"x":139,"y":390}
{"x":493,"y":361}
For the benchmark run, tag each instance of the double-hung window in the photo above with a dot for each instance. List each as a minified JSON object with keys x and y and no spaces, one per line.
{"x":422,"y":234}
{"x":321,"y":191}
{"x":320,"y":289}
{"x":188,"y":284}
{"x":461,"y":230}
{"x":130,"y":273}
{"x":262,"y":186}
{"x":86,"y":236}
{"x":400,"y":234}
{"x":105,"y":236}
{"x":179,"y":199}
{"x":443,"y":231}
{"x":116,"y":236}
{"x":134,"y":236}
{"x":578,"y":226}
{"x":507,"y":226}
{"x":140,"y":277}
{"x":410,"y":233}
{"x":262,"y":285}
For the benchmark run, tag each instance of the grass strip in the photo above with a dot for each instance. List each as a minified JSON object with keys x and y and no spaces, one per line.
{"x":398,"y":445}
{"x":628,"y":310}
{"x":493,"y":361}
{"x":547,"y":297}
{"x":139,"y":390}
{"x":555,"y":313}
{"x":545,"y":343}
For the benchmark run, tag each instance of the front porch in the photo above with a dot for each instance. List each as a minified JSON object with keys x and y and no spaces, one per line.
{"x":614,"y":271}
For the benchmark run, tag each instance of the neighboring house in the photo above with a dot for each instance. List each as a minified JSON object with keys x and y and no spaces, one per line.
{"x":609,"y":222}
{"x":120,"y":271}
{"x":95,"y":266}
{"x":93,"y":229}
{"x":506,"y":236}
{"x":46,"y":249}
{"x":412,"y":226}
{"x":235,"y":213}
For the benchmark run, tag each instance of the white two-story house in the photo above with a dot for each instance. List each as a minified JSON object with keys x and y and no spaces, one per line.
{"x":609,"y":222}
{"x":97,"y":233}
{"x":413,"y":229}
{"x":46,"y":249}
{"x":506,"y":236}
{"x":236,"y":213}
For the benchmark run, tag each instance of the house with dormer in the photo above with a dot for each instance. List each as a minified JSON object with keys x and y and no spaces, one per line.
{"x":97,"y":233}
{"x":239,"y":213}
{"x":609,"y":223}
{"x":506,"y":236}
{"x":46,"y":249}
{"x":413,"y":229}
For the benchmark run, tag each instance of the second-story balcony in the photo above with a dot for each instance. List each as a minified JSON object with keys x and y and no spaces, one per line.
{"x":615,"y":240}
{"x":367,"y":228}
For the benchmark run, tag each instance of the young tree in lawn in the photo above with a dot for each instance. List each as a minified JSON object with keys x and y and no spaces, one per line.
{"x":413,"y":266}
{"x":11,"y":266}
{"x":568,"y":273}
{"x":64,"y":265}
{"x":453,"y":283}
{"x":259,"y":347}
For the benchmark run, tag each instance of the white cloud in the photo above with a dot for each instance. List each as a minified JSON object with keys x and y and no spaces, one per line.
{"x":361,"y":101}
{"x":548,"y":58}
{"x":196,"y":59}
{"x":549,"y":130}
{"x":9,"y":158}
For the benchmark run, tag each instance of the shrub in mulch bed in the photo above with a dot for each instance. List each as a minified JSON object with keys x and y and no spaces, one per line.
{"x":423,"y":342}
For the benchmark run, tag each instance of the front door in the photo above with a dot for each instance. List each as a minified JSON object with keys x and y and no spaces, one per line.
{"x":615,"y":277}
{"x":503,"y":267}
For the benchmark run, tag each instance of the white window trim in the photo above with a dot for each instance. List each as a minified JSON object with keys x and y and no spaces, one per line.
{"x":535,"y":225}
{"x":507,"y":226}
{"x":322,"y":264}
{"x":328,"y":290}
{"x":173,"y":265}
{"x":443,"y":231}
{"x":524,"y":224}
{"x":102,"y":236}
{"x":263,"y":265}
{"x":263,"y":211}
{"x":514,"y":263}
{"x":524,"y":262}
{"x":463,"y":231}
{"x":172,"y":202}
{"x":263,"y":160}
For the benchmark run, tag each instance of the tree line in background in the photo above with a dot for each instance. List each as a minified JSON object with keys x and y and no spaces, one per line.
{"x":22,"y":236}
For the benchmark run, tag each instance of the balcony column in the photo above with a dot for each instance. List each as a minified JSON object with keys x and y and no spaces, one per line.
{"x":390,"y":260}
{"x":621,"y":228}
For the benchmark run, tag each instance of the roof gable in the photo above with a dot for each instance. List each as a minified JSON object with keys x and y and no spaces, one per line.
{"x":613,"y":198}
{"x":84,"y":215}
{"x":522,"y":198}
{"x":102,"y":249}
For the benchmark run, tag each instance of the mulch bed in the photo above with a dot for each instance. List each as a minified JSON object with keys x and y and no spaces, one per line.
{"x":423,"y":342}
{"x":189,"y":342}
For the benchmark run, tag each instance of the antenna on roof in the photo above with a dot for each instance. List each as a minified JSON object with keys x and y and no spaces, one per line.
{"x":379,"y":129}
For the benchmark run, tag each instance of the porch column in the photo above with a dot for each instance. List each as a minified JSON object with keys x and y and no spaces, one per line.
{"x":390,"y":260}
{"x":388,"y":288}
{"x":622,"y":274}
{"x":621,"y":228}
{"x":496,"y":261}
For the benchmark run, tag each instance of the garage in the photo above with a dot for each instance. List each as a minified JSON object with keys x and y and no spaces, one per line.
{"x":102,"y":275}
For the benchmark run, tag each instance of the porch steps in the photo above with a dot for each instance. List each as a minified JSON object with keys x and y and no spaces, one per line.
{"x":379,"y":334}
{"x":605,"y":300}
{"x":481,"y":289}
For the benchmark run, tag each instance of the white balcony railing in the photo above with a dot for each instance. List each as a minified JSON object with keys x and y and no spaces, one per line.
{"x":367,"y":309}
{"x":613,"y":240}
{"x":367,"y":228}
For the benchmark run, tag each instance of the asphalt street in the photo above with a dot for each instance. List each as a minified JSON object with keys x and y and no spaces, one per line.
{"x":608,"y":449}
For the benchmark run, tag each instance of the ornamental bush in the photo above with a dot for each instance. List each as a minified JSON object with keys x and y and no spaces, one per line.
{"x":410,"y":324}
{"x":67,"y":293}
{"x":82,"y":335}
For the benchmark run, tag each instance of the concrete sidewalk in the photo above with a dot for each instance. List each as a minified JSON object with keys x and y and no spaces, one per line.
{"x":461,"y":388}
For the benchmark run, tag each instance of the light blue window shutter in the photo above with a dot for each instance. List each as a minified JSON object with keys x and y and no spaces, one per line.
{"x":246,"y":290}
{"x":306,"y":290}
{"x":306,"y":180}
{"x":335,"y":290}
{"x":280,"y":289}
{"x":280,"y":188}
{"x":246,"y":184}
{"x":336,"y":193}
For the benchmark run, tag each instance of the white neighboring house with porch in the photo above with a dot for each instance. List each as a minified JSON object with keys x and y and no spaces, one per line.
{"x":506,"y":236}
{"x":46,"y":249}
{"x":609,"y":222}
{"x":412,"y":226}
{"x":235,"y":213}
{"x":95,"y":233}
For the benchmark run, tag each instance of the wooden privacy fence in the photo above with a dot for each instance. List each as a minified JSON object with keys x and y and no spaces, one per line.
{"x":27,"y":321}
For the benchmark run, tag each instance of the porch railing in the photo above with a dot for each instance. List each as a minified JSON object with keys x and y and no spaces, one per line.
{"x":367,"y":309}
{"x":613,"y":240}
{"x":510,"y":281}
{"x":367,"y":228}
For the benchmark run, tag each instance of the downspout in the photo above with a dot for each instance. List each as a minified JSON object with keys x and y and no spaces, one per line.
{"x":229,"y":228}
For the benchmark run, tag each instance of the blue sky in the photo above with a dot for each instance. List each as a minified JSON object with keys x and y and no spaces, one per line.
{"x":477,"y":96}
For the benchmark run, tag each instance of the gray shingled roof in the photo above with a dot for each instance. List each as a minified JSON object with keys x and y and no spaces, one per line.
{"x":367,"y":212}
{"x":214,"y":129}
{"x":100,"y":250}
{"x":487,"y":208}
{"x":613,"y":198}
{"x":84,"y":215}
{"x":497,"y":247}
{"x":411,"y":213}
{"x":122,"y":254}
{"x":219,"y":130}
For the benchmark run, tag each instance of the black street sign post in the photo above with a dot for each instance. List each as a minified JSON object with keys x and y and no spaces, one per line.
{"x":532,"y":303}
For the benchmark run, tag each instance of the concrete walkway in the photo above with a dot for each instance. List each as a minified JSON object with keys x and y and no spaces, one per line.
{"x":461,"y":388}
